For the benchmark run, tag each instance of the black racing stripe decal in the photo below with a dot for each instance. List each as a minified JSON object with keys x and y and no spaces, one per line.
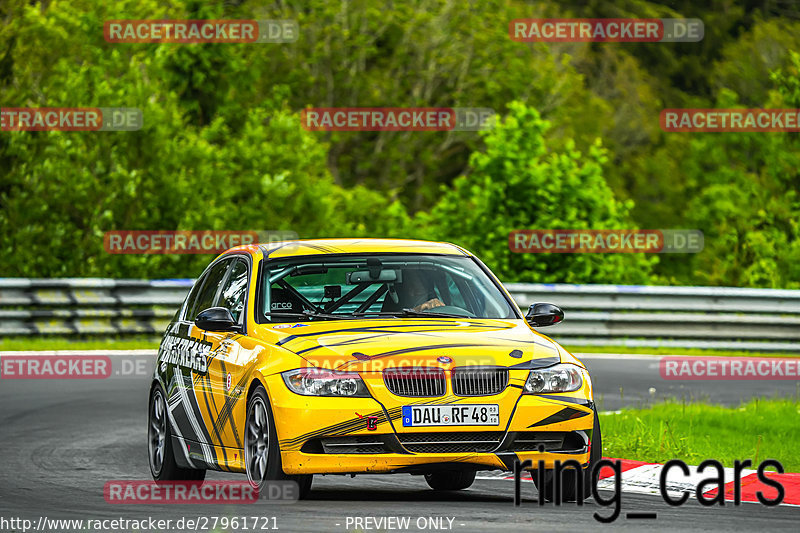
{"x":183,"y":414}
{"x":223,"y":415}
{"x":577,"y":401}
{"x":351,"y":425}
{"x":349,"y":342}
{"x":194,"y":406}
{"x":367,"y":329}
{"x":508,"y":459}
{"x":315,"y":247}
{"x":542,"y":362}
{"x":527,"y":365}
{"x":182,"y":421}
{"x":527,"y":341}
{"x":266,"y":252}
{"x":300,"y":244}
{"x":339,"y":426}
{"x":568,"y":413}
{"x":326,"y":249}
{"x":227,"y":409}
{"x":209,"y":399}
{"x":336,"y":429}
{"x":423,"y":349}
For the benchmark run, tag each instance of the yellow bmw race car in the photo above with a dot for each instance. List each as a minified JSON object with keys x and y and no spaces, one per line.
{"x":350,"y":356}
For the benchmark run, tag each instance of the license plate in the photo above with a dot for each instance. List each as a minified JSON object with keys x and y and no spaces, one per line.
{"x":451,"y":415}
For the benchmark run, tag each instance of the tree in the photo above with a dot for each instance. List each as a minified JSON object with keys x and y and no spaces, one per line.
{"x":60,"y":191}
{"x":517,"y":182}
{"x":747,"y":200}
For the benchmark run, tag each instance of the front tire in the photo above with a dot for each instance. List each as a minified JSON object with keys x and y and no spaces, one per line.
{"x":450,"y":480}
{"x":262,"y":454}
{"x":159,"y":443}
{"x":569,"y":480}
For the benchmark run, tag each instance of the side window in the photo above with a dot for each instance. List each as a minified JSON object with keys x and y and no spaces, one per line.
{"x":235,"y":289}
{"x":206,"y":297}
{"x":191,"y":300}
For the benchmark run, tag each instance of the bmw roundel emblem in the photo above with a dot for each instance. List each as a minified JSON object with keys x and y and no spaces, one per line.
{"x":444,"y":359}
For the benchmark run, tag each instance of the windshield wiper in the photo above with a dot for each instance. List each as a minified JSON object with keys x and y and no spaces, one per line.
{"x":410,"y":312}
{"x":395,"y":314}
{"x":310,"y":314}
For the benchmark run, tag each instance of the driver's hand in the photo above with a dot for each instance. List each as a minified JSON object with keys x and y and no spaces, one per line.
{"x":430,"y":304}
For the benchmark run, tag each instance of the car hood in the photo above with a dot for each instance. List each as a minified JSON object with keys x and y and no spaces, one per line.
{"x":375,"y":344}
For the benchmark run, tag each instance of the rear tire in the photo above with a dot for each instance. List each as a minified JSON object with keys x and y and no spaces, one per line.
{"x":261,"y":451}
{"x":450,"y":480}
{"x":569,"y":480}
{"x":159,"y":443}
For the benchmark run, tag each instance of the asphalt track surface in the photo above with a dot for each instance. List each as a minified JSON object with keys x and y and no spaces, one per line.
{"x":63,"y":439}
{"x":634,"y":381}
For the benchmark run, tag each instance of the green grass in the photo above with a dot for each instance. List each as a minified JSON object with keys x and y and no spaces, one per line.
{"x":673,"y":351}
{"x":86,"y":343}
{"x":757,"y":430}
{"x":152,"y":341}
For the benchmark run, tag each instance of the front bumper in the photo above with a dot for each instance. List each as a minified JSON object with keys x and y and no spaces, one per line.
{"x":331,"y":435}
{"x":302,"y":463}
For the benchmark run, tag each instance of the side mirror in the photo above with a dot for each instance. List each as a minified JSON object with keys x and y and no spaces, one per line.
{"x":540,"y":315}
{"x":216,"y":319}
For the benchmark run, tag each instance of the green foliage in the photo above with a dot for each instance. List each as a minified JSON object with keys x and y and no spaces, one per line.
{"x":694,"y":431}
{"x":61,"y":191}
{"x":747,"y":62}
{"x":429,"y":53}
{"x":222,"y":146}
{"x":518,"y":183}
{"x":746,"y":199}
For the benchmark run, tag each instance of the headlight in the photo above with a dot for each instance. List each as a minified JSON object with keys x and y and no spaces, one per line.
{"x":557,"y":378}
{"x":317,"y":382}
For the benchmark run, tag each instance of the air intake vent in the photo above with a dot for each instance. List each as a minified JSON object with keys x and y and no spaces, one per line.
{"x":476,"y":381}
{"x":348,"y":445}
{"x":549,"y":441}
{"x":456,"y":442}
{"x":415,"y":382}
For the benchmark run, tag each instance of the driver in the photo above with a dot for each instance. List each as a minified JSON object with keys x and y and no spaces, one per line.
{"x":416,"y":293}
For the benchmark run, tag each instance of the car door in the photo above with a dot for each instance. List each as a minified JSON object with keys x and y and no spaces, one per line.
{"x":226,"y":381}
{"x":184,"y":358}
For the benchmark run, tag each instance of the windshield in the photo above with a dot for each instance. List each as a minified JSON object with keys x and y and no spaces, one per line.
{"x":354,"y":286}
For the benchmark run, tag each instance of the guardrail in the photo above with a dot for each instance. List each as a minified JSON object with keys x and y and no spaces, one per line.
{"x":674,"y":317}
{"x":88,"y":306}
{"x":596,"y":315}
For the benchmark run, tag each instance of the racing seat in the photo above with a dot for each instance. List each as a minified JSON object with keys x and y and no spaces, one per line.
{"x":404,"y":299}
{"x":389,"y":304}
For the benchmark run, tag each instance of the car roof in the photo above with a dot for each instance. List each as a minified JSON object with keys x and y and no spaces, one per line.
{"x":357,"y":246}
